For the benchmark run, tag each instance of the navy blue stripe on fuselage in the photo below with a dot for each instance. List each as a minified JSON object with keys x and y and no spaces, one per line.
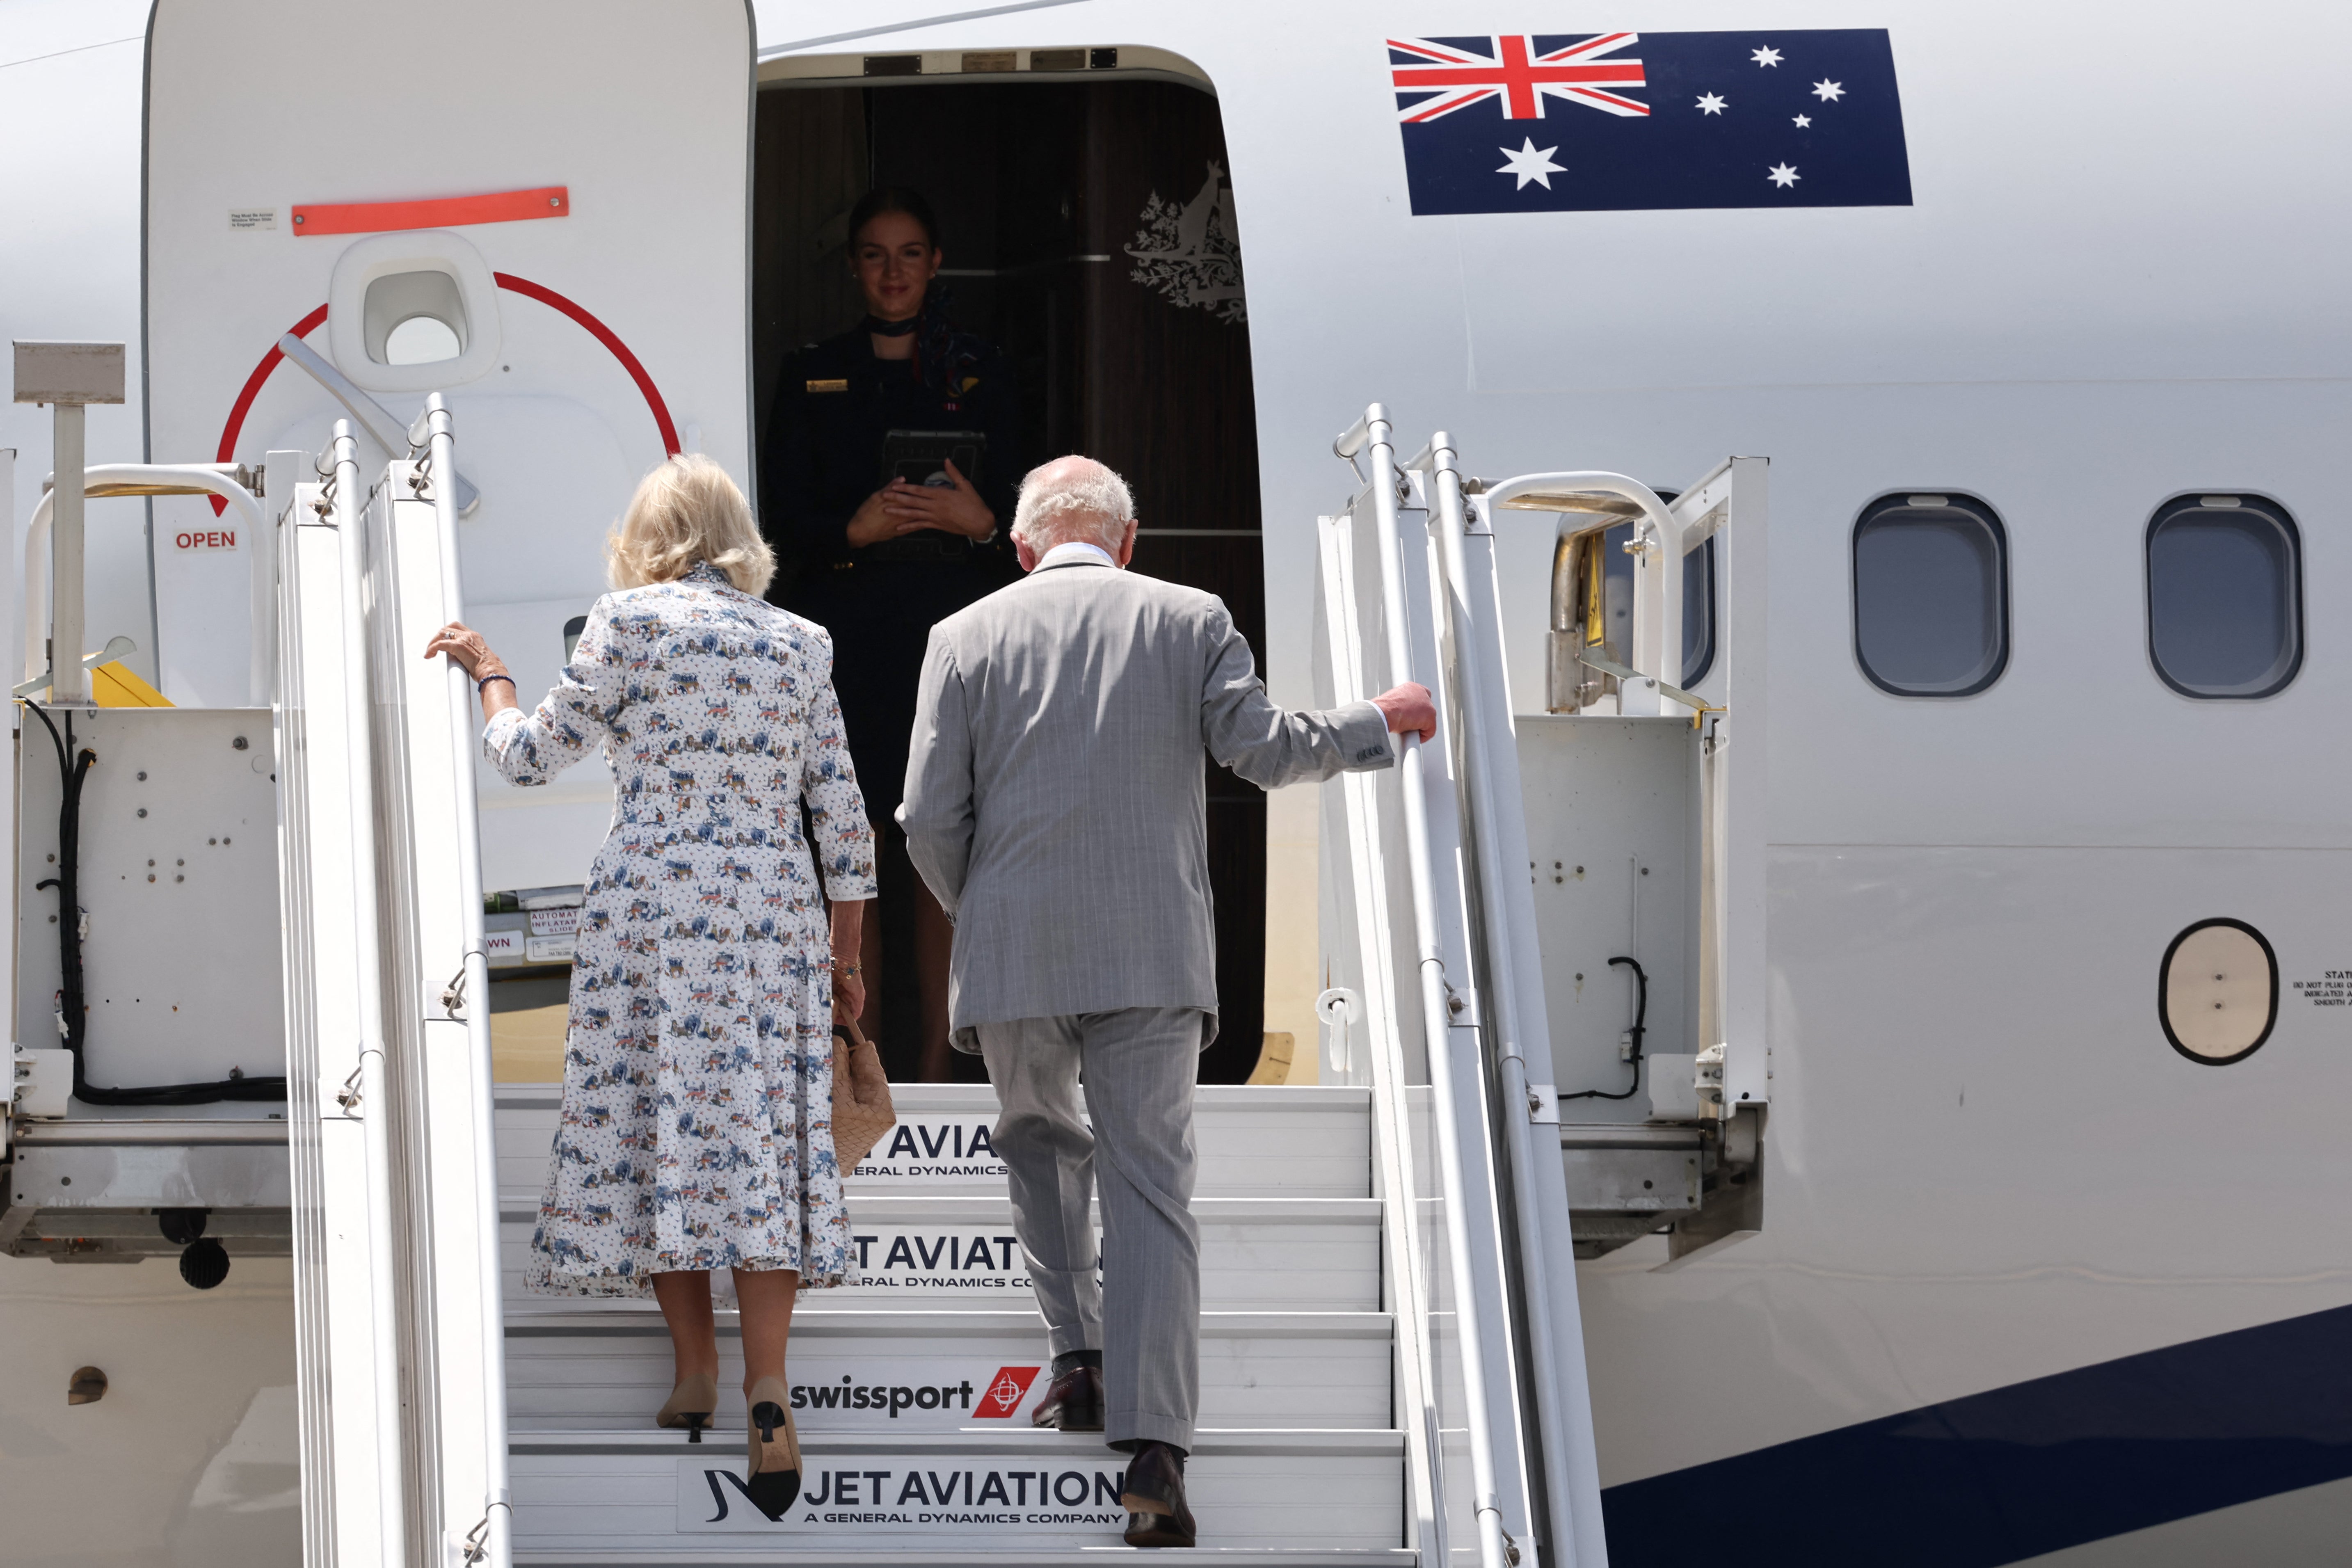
{"x":2017,"y":1471}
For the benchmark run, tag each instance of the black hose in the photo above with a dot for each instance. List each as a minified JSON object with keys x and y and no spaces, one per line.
{"x":73,"y":1000}
{"x":1641,"y":1028}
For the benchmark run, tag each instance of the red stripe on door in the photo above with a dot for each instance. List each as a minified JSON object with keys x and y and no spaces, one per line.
{"x":579,"y":313}
{"x":445,"y":212}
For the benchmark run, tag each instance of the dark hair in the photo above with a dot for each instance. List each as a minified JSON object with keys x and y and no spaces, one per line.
{"x":893,"y":199}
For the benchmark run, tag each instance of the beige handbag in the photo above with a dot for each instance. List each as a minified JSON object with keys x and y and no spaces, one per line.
{"x":861,"y":1097}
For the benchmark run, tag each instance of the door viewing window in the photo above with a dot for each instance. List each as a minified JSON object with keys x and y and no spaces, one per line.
{"x":1930,"y":595}
{"x":1698,"y":612}
{"x":2224,"y":595}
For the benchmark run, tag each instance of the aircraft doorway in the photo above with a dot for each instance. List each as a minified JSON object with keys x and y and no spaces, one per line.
{"x":1087,"y":228}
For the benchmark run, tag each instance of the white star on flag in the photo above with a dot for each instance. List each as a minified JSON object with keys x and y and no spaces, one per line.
{"x":1802,"y":121}
{"x":1530,"y":163}
{"x":1766,"y":57}
{"x":1708,"y":103}
{"x":1827,"y":91}
{"x":1783,"y":175}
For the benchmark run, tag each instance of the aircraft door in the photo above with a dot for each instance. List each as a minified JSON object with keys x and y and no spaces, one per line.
{"x":1645,"y":829}
{"x":540,"y":210}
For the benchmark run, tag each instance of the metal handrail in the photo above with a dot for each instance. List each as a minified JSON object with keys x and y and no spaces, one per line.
{"x":1564,"y":1424}
{"x":103,"y":480}
{"x":1436,"y":1017}
{"x":375,"y":1100}
{"x":495,"y":1548}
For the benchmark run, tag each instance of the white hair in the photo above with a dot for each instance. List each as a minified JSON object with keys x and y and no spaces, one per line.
{"x":1072,"y":498}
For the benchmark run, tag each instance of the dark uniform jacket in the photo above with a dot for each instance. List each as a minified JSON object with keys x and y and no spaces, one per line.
{"x":835,"y":404}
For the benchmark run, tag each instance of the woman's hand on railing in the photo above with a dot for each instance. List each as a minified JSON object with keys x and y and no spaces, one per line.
{"x":466,"y":649}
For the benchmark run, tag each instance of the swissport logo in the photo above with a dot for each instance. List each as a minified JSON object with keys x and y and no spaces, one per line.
{"x":1004,"y":1391}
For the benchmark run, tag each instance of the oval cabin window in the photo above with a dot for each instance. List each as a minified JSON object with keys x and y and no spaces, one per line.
{"x":2224,"y":596}
{"x":1930,"y":595}
{"x":2218,"y":993}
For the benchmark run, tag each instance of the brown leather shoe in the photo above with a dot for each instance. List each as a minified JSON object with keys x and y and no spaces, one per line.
{"x":1074,"y":1403}
{"x":1153,"y":1496}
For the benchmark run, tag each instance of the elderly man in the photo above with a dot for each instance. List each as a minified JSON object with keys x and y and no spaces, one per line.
{"x":1056,"y":806}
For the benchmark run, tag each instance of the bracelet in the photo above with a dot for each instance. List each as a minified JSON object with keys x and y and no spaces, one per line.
{"x":846,"y":971}
{"x":487,"y":678}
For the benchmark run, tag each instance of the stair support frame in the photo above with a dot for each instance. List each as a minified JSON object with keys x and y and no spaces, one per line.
{"x":1437,"y":1016}
{"x":494,"y":1545}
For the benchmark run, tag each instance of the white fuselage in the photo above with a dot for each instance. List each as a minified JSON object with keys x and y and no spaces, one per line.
{"x":1986,"y":1164}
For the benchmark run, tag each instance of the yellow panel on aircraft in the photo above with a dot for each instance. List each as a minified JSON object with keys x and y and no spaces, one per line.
{"x":116,"y":686}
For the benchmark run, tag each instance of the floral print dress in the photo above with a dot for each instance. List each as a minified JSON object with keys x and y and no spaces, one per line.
{"x":697,"y":1129}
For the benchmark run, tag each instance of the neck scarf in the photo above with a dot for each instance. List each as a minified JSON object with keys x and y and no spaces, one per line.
{"x":944,"y":354}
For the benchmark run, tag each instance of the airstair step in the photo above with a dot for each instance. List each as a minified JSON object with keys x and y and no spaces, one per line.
{"x":1254,"y":1140}
{"x":942,"y":1372}
{"x":599,"y":1496}
{"x":1277,"y":1254}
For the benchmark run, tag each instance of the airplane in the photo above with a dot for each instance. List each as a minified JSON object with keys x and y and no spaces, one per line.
{"x":1937,"y":1091}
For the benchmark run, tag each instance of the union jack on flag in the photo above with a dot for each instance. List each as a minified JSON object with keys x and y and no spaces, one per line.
{"x":1443,"y":77}
{"x":1757,"y":118}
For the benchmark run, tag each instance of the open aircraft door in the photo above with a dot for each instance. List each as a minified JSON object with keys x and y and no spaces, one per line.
{"x":1644,"y":786}
{"x":443,"y":283}
{"x":540,"y":210}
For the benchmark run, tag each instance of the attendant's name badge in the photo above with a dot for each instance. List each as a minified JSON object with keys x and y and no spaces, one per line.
{"x":842,"y":385}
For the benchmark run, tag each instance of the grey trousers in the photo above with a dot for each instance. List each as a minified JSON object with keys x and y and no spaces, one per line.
{"x":1139,"y":1064}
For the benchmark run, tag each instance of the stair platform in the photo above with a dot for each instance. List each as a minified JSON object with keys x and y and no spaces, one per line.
{"x":941,"y":1371}
{"x":1269,"y":1254}
{"x":1266,"y":1489}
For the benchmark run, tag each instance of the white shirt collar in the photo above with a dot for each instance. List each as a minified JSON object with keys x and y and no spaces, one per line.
{"x":1073,"y":551}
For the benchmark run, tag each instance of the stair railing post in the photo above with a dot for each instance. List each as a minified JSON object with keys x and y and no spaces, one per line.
{"x":375,"y":1104}
{"x":1562,"y":1399}
{"x":68,"y":685}
{"x":495,"y":1547}
{"x":1436,"y":1017}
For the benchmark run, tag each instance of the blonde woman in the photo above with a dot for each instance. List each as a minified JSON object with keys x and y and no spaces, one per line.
{"x":697,"y":1078}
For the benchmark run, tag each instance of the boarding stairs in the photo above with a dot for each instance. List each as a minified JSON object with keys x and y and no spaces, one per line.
{"x":1299,"y":1458}
{"x":1392,"y":1364}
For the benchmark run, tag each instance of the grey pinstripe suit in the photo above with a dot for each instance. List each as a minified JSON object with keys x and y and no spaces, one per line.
{"x":1056,"y":806}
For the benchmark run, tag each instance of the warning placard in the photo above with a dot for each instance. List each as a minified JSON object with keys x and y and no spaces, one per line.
{"x":2332,"y":989}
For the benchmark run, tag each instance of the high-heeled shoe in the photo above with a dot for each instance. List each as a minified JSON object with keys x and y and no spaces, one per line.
{"x":690,"y":1406}
{"x":773,"y":1481}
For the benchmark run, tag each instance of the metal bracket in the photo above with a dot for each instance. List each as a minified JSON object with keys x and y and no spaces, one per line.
{"x":115,"y":648}
{"x":348,"y":1097}
{"x":1607,"y":665}
{"x":453,"y":995}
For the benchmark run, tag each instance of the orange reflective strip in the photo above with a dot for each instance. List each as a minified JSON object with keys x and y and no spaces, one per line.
{"x":446,"y":212}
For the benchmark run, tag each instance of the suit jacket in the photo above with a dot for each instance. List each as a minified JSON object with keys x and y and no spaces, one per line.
{"x":1056,"y":800}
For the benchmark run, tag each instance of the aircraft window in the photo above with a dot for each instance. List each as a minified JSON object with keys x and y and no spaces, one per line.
{"x":420,"y":339}
{"x":2224,"y":596}
{"x":1698,"y":612}
{"x":1930,"y":594}
{"x":2216,"y":993}
{"x":413,"y":318}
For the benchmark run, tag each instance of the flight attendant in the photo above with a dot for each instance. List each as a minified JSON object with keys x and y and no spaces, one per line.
{"x":877,"y":560}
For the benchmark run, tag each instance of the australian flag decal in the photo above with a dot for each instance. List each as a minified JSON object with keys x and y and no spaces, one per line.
{"x":1613,"y":121}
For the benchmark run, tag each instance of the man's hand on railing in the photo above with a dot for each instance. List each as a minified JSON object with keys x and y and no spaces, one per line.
{"x":1408,"y":710}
